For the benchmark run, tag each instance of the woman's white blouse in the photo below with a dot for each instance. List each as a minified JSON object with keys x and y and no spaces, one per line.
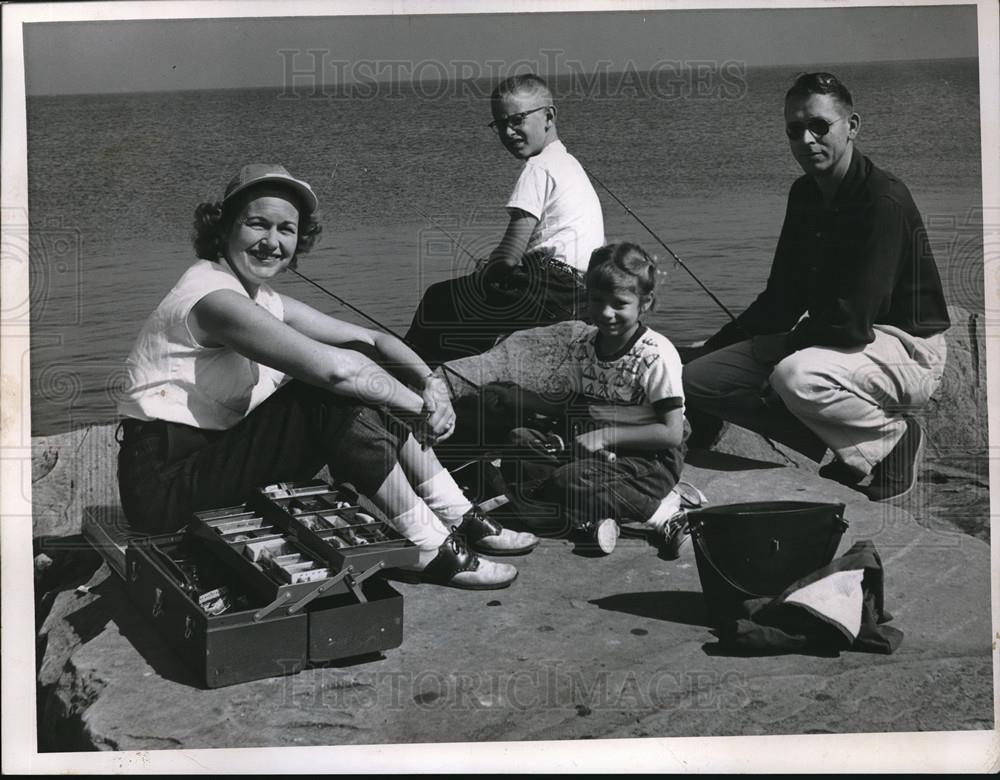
{"x":173,"y":377}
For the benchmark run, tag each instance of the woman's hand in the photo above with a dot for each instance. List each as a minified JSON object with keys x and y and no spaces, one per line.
{"x":438,"y":413}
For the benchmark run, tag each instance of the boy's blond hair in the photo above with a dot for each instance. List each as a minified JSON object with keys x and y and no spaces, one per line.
{"x":523,"y":83}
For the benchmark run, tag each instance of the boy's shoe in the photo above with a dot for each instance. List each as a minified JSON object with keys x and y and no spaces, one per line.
{"x":485,"y":535}
{"x":456,"y":566}
{"x":605,"y":533}
{"x":896,"y":474}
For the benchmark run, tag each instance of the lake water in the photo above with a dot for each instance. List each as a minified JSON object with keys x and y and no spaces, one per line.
{"x":114,"y":179}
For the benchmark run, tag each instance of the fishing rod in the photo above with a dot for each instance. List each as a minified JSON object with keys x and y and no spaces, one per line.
{"x":446,"y":368}
{"x":662,"y":243}
{"x":607,"y":455}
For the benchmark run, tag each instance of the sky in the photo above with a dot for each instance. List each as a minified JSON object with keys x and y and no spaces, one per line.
{"x":151,"y":55}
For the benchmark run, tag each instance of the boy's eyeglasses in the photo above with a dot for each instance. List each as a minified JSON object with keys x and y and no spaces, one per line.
{"x":816,"y":127}
{"x":514,"y":120}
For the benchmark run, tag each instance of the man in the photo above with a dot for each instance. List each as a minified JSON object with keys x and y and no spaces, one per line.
{"x":847,"y":338}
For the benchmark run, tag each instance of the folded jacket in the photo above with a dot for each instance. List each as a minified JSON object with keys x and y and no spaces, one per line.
{"x":838,"y":607}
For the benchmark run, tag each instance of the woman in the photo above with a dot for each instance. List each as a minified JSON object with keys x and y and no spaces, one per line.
{"x":233,"y":386}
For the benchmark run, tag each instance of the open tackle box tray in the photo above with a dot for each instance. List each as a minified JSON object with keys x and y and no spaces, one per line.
{"x":260,"y":590}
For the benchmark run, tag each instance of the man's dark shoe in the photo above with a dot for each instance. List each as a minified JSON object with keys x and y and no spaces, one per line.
{"x":896,"y":475}
{"x":840,"y":472}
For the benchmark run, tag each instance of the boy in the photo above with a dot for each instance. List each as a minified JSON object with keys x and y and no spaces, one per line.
{"x":534,"y":276}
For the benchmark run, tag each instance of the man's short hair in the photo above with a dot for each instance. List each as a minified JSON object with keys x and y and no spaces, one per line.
{"x":820,"y":83}
{"x":523,"y":82}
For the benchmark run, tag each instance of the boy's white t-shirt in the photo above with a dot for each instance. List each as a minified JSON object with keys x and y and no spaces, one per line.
{"x":172,"y":377}
{"x":554,"y":188}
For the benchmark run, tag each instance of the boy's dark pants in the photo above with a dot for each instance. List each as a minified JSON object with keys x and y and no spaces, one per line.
{"x":465,"y":316}
{"x":556,"y":492}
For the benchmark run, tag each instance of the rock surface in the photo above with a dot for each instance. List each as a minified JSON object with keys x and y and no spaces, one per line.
{"x":74,"y":473}
{"x":955,"y":417}
{"x":578,"y":647}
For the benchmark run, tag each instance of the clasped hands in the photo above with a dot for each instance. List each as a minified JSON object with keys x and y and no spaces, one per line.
{"x":437,"y":417}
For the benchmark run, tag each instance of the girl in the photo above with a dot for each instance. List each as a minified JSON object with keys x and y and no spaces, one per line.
{"x":625,"y":428}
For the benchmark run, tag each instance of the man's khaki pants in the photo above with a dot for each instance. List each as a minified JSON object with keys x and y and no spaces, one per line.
{"x":850,"y":400}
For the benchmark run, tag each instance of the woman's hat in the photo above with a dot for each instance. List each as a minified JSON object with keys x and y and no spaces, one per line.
{"x":255,"y":173}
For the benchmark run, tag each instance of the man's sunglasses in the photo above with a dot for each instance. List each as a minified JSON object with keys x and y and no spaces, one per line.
{"x":514,"y":120}
{"x":817,"y":128}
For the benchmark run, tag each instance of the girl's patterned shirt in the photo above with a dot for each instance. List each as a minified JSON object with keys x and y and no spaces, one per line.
{"x":639,"y":381}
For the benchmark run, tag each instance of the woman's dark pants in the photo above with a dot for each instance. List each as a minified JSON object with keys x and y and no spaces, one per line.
{"x":167,"y":471}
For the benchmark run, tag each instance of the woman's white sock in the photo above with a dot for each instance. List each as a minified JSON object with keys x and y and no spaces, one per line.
{"x":422,"y":527}
{"x":444,"y":497}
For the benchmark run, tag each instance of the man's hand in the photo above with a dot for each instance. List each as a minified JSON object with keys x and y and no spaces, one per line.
{"x":771,"y":348}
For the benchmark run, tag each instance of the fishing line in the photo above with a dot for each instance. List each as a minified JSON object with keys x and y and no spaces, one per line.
{"x":446,"y":368}
{"x":662,"y":243}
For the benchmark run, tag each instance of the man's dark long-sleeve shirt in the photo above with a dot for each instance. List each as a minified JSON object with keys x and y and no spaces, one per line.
{"x":864,"y":259}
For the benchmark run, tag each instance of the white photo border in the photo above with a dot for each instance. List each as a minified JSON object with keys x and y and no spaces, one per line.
{"x":920,"y":752}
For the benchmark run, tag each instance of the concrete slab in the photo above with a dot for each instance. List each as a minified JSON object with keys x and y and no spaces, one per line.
{"x":579,"y":647}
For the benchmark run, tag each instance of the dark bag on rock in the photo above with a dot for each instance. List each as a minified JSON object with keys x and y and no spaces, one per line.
{"x":756,"y":550}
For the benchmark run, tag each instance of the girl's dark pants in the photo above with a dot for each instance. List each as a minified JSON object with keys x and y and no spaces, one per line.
{"x":167,"y":471}
{"x":575,"y":492}
{"x":554,"y":493}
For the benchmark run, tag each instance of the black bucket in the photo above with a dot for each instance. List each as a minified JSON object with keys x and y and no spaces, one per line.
{"x":756,"y":550}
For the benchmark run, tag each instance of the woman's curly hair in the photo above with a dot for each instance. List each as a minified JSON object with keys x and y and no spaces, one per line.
{"x":213,"y":221}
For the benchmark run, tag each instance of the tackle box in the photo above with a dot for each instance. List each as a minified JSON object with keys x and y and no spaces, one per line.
{"x":267,"y":587}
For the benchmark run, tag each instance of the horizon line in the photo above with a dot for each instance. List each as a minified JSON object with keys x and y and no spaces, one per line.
{"x":362,"y":83}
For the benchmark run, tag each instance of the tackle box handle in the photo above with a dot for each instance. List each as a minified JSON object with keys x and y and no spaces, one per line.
{"x":348,"y":575}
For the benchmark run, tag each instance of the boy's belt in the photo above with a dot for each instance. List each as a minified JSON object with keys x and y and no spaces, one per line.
{"x":551,"y":262}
